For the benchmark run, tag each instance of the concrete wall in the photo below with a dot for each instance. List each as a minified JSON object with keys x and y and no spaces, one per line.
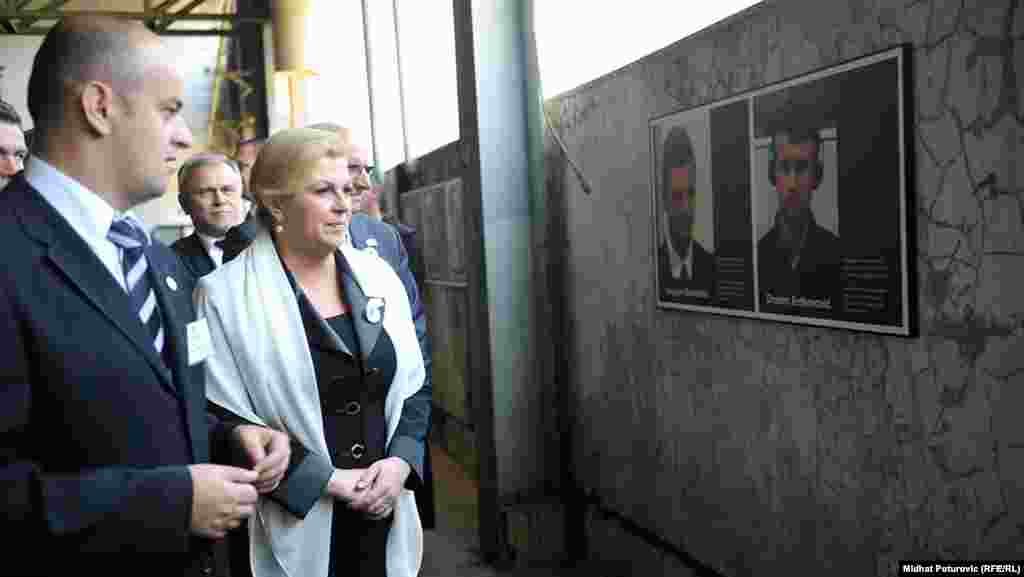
{"x":761,"y":448}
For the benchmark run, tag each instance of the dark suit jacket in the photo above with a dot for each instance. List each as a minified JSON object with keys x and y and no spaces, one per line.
{"x":394,"y":249}
{"x":702,"y":277}
{"x":297,"y":491}
{"x":95,"y":431}
{"x":193,"y":255}
{"x":240,"y":237}
{"x":302,"y":486}
{"x":817,"y":272}
{"x":308,"y":473}
{"x":408,"y":235}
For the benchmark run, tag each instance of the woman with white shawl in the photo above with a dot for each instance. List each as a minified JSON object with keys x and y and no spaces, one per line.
{"x":315,"y":338}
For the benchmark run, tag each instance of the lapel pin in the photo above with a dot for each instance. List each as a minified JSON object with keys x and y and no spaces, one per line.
{"x":172,"y":284}
{"x":374,"y":308}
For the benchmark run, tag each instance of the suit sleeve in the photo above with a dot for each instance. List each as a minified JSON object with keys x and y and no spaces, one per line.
{"x":96,"y":510}
{"x":410,"y":438}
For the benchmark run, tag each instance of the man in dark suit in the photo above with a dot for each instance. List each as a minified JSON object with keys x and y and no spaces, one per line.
{"x":104,"y":435}
{"x":366,"y":232}
{"x":210,"y":192}
{"x":797,"y":258}
{"x":12,"y":143}
{"x":685,"y":268}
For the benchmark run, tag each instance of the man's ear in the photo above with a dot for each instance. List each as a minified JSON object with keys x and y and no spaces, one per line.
{"x":97,"y":103}
{"x":275,"y":206}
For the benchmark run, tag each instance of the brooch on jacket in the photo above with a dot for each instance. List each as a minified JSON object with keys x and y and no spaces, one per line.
{"x":371,"y":246}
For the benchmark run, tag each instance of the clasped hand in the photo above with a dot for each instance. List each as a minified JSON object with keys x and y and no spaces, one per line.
{"x":222,"y":496}
{"x":373,"y":491}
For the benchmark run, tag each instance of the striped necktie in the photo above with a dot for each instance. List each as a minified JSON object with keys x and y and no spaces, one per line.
{"x":133,"y":240}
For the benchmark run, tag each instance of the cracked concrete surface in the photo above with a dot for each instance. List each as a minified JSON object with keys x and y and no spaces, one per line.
{"x":762,"y":448}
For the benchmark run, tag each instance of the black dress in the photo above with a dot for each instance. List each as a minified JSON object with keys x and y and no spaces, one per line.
{"x":352,"y":394}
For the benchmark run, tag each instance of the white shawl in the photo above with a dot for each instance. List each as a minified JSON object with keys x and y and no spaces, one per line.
{"x":261,"y":370}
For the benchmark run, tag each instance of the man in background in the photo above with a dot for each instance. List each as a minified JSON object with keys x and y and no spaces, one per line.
{"x":685,"y":267}
{"x":245,"y":155}
{"x":210,"y":192}
{"x":797,"y":257}
{"x":241,"y":236}
{"x":12,"y":143}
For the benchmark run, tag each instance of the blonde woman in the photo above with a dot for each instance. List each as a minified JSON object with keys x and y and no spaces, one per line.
{"x":315,"y":338}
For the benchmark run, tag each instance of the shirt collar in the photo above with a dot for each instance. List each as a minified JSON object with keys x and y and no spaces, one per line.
{"x":676,"y":262}
{"x":208,"y":241}
{"x":86,"y":212}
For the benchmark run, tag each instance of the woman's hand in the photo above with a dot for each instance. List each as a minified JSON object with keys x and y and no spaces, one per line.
{"x":342,"y":484}
{"x":379,"y":487}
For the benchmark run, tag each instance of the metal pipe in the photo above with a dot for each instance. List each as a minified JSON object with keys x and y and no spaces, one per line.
{"x":47,"y":14}
{"x":369,"y":80}
{"x":401,"y":83}
{"x":172,"y":16}
{"x":217,"y":80}
{"x":43,"y":30}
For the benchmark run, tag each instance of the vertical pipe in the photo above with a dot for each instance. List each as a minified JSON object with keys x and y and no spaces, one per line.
{"x":401,"y":81}
{"x":369,"y":80}
{"x":292,"y":104}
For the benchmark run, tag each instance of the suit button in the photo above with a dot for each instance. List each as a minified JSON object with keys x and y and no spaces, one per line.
{"x":352,"y":408}
{"x":357,"y":451}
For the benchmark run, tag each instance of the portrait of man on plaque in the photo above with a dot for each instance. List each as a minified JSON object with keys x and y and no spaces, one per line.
{"x":685,"y":216}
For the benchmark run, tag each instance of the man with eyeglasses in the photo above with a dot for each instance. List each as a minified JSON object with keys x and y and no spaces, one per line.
{"x":685,"y":267}
{"x":12,"y":143}
{"x":798,"y":259}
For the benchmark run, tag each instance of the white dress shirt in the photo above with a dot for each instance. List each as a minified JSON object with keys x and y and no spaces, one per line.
{"x":89,"y":215}
{"x":216,"y":253}
{"x":677,"y":263}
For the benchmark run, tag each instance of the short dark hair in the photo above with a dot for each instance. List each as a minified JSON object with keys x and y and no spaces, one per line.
{"x":798,"y":134}
{"x":8,"y":115}
{"x":676,"y":151}
{"x":77,"y":50}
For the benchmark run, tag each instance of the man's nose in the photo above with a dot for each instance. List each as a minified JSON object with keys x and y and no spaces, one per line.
{"x":182,"y":136}
{"x":9,"y":165}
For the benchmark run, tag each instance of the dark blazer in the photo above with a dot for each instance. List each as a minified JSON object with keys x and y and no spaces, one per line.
{"x":307,"y":474}
{"x":96,"y":433}
{"x":408,"y":235}
{"x":193,"y":255}
{"x":817,"y":272}
{"x":702,"y":277}
{"x":364,"y":231}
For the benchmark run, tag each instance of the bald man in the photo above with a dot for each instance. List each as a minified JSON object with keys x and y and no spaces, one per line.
{"x":104,"y":435}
